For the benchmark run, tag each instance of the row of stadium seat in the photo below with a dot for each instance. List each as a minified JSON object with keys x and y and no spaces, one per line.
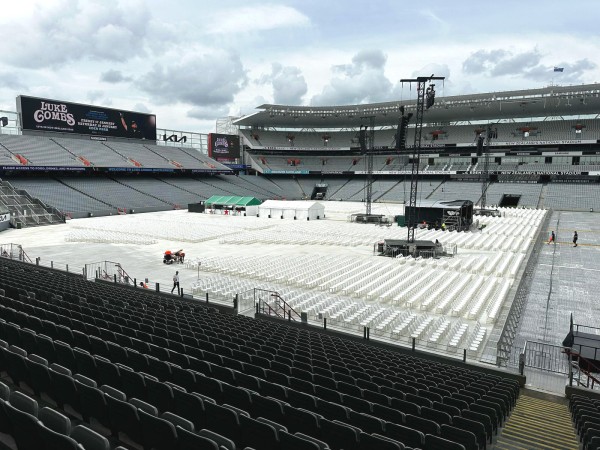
{"x":347,"y":362}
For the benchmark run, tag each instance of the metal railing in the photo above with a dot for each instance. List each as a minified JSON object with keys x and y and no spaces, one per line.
{"x":581,"y":370}
{"x":543,"y":356}
{"x":272,"y":304}
{"x":14,"y":251}
{"x":511,"y":325}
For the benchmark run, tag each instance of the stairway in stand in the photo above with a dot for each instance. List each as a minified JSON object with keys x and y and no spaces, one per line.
{"x":538,"y":424}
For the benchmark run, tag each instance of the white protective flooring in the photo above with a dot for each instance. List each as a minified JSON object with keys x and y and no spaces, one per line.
{"x":326,"y":268}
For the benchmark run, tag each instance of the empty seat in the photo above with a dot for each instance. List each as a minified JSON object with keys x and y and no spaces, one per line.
{"x":294,"y":442}
{"x":466,"y":438}
{"x":338,"y":435}
{"x":25,"y":427}
{"x":223,"y":442}
{"x":89,"y":438}
{"x":375,"y":441}
{"x":124,"y":419}
{"x":258,"y":434}
{"x":433,"y":442}
{"x":56,"y":441}
{"x":186,"y":440}
{"x":158,"y":433}
{"x":24,"y":403}
{"x":55,"y":420}
{"x":408,"y":436}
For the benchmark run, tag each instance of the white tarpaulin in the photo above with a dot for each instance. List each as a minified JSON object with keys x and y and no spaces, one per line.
{"x":300,"y":210}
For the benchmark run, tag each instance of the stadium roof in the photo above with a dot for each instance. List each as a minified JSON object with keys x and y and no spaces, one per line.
{"x":544,"y":102}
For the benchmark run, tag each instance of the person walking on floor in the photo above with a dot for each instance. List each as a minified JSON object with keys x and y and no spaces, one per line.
{"x":575,"y":237}
{"x":552,"y":238}
{"x":175,"y":282}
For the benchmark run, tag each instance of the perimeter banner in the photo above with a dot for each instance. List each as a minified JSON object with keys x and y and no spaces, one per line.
{"x":40,"y":114}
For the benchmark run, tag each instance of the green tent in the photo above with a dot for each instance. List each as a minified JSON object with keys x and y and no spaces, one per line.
{"x":231,"y":200}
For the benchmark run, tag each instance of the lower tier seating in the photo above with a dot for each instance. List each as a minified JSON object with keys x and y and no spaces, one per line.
{"x":161,"y":373}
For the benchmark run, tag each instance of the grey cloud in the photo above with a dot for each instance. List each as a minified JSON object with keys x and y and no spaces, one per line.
{"x":289,"y":85}
{"x":481,"y":60}
{"x":70,"y":31}
{"x":361,"y":81}
{"x":496,"y":63}
{"x":573,"y":72}
{"x":202,"y":80}
{"x":516,"y":64}
{"x":363,"y":60}
{"x":113,"y":76}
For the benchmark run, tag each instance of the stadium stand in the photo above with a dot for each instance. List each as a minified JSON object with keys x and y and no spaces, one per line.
{"x":136,"y":367}
{"x":103,"y":366}
{"x":63,"y":197}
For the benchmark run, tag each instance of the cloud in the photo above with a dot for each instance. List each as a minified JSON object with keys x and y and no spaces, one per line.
{"x":288,"y":82}
{"x":363,"y":60}
{"x":201,"y":80}
{"x":573,"y":72}
{"x":67,"y":30}
{"x":113,"y":76}
{"x":361,"y":81}
{"x":527,"y":64}
{"x":261,"y":18}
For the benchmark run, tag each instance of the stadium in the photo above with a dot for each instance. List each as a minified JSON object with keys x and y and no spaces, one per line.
{"x":289,"y":326}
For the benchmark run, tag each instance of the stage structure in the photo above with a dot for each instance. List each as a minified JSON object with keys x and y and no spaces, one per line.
{"x":425,"y":100}
{"x":366,"y":137}
{"x":582,"y":347}
{"x":485,"y":174}
{"x":453,"y":214}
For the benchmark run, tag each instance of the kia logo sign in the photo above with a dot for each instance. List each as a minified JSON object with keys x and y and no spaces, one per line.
{"x":174,"y":138}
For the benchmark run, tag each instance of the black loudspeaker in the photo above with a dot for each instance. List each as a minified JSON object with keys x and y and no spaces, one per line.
{"x":362,"y":139}
{"x":480,"y":140}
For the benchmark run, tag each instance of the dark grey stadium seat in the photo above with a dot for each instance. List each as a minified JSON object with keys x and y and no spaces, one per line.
{"x":89,"y":438}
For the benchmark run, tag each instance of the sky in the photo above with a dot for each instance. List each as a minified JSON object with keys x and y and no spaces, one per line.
{"x":193,"y":61}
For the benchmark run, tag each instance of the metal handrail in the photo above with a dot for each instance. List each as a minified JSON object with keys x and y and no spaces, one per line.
{"x":279,"y":305}
{"x":544,"y":356}
{"x":511,"y":324}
